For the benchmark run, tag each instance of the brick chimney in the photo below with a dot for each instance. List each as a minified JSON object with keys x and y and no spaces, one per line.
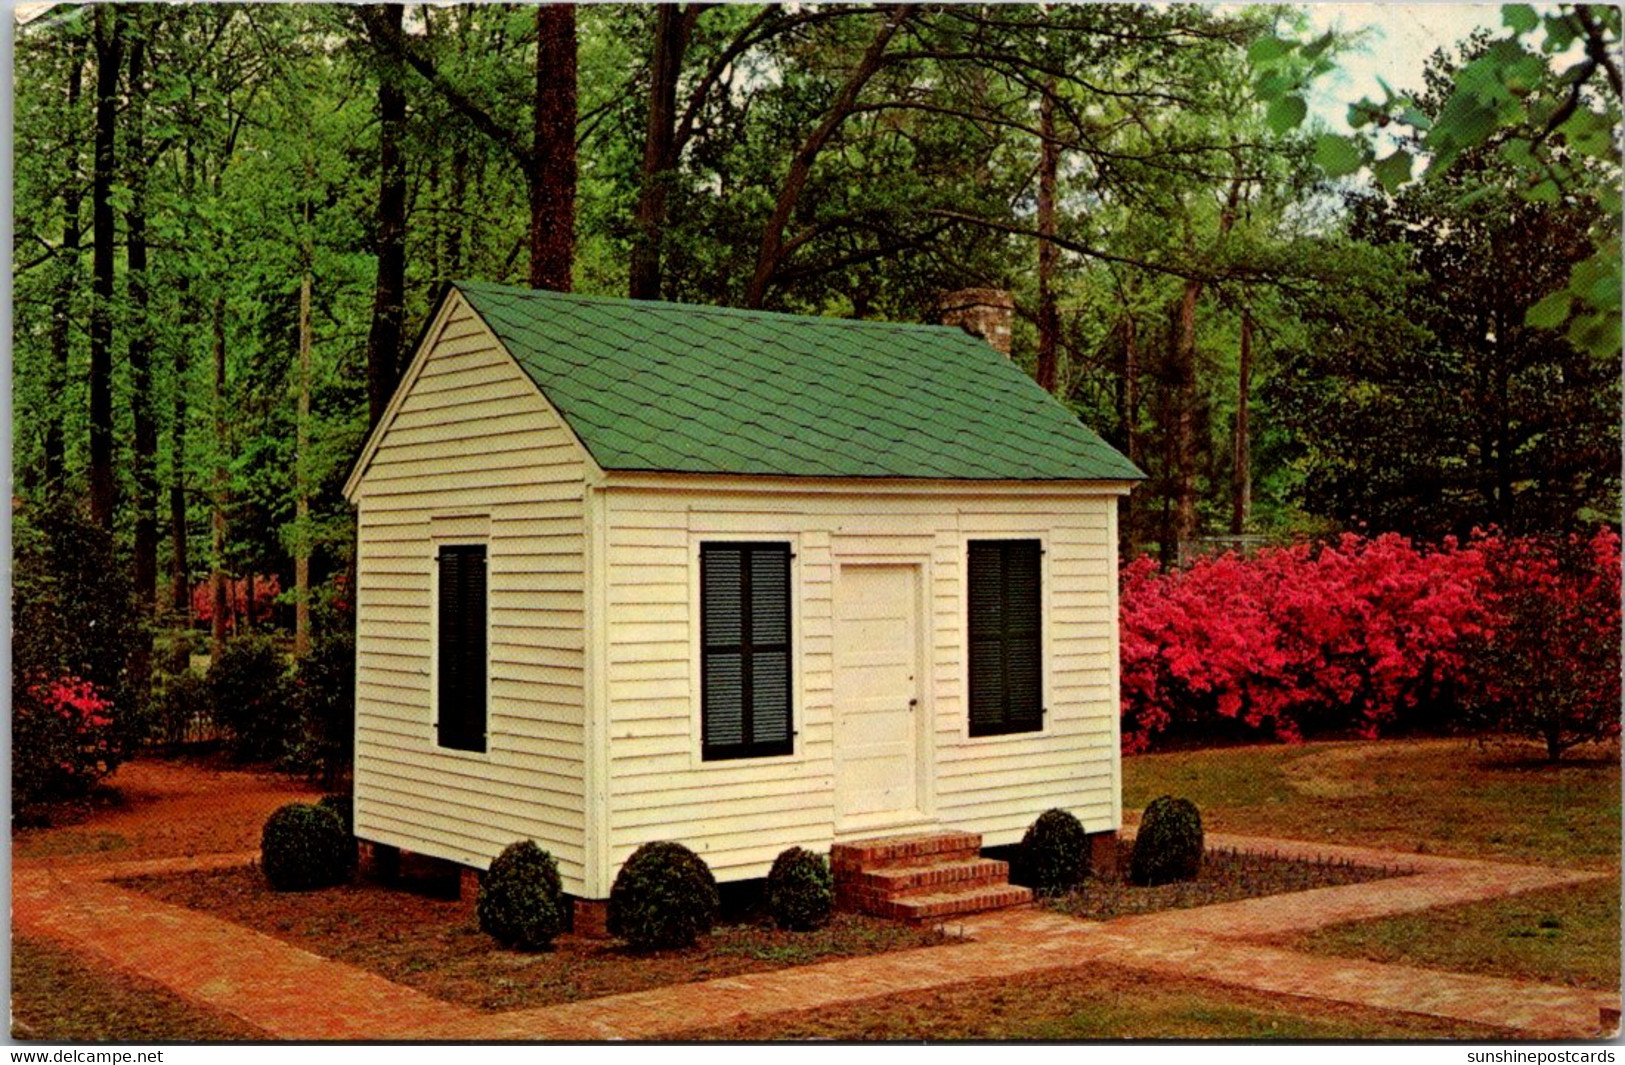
{"x":983,"y":312}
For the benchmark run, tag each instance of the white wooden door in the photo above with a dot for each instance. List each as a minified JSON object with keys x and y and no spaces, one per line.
{"x":877,"y":691}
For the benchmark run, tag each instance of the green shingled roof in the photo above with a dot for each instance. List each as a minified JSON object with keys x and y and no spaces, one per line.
{"x":684,"y":389}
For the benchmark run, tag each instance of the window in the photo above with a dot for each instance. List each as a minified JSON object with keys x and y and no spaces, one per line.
{"x":745,"y":650}
{"x":460,"y":643}
{"x":1006,"y":674}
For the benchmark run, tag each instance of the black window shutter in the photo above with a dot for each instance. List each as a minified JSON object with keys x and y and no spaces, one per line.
{"x":1004,"y":618}
{"x":745,"y":650}
{"x":461,"y":648}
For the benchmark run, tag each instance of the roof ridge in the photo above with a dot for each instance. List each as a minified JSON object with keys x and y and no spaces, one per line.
{"x":706,"y":308}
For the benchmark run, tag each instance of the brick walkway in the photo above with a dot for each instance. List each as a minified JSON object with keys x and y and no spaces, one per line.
{"x":292,"y":994}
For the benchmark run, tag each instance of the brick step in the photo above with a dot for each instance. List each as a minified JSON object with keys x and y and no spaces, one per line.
{"x":919,"y":909}
{"x":925,"y":848}
{"x":903,"y":880}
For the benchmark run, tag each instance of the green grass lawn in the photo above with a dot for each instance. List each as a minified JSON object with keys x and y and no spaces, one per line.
{"x":1433,"y":796}
{"x":1440,"y":797}
{"x":1563,"y":936}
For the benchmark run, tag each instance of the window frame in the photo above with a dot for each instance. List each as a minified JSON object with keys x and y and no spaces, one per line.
{"x":1008,"y":725}
{"x":439,"y":661}
{"x":716,"y":753}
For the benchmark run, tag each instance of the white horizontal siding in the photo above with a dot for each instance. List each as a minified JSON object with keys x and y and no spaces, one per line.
{"x":473,"y":446}
{"x":740,"y":814}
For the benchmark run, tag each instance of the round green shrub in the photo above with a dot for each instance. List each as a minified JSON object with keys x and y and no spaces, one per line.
{"x":342,"y":807}
{"x":664,"y":896}
{"x":521,"y":903}
{"x":800,"y":890}
{"x":304,"y":847}
{"x":1169,"y":844}
{"x":1054,"y":854}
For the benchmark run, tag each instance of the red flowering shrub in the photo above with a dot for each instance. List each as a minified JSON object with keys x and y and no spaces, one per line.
{"x":266,"y":590}
{"x":1549,"y":669}
{"x":1519,"y":636}
{"x":1343,"y":637}
{"x":63,"y":740}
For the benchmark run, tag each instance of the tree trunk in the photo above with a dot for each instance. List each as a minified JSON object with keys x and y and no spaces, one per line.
{"x":772,"y":250}
{"x":1128,"y":404}
{"x":673,"y":24}
{"x":1505,"y":516}
{"x":1241,"y":474}
{"x":144,"y":457}
{"x":180,"y":584}
{"x":62,"y":302}
{"x":180,"y":581}
{"x":552,"y":175}
{"x":459,"y":197}
{"x":389,"y":292}
{"x":1182,"y":380}
{"x":221,"y":481}
{"x":301,"y":554}
{"x":109,"y":56}
{"x":548,"y":161}
{"x":1166,"y":413}
{"x":145,"y":454}
{"x":1049,"y":319}
{"x":1182,"y":384}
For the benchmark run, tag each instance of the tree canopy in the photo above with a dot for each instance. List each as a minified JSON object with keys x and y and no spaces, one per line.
{"x":232,"y":220}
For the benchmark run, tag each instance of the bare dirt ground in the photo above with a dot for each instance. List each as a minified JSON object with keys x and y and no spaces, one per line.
{"x":163,"y":809}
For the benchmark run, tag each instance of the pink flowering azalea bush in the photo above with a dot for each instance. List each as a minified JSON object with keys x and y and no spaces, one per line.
{"x":63,"y":739}
{"x":257,"y":608}
{"x":1360,"y":635}
{"x":1549,"y":669}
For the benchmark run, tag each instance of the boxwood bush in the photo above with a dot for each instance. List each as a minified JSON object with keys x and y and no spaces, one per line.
{"x":521,"y":903}
{"x":664,"y":896}
{"x":1054,"y":854}
{"x":800,"y":890}
{"x":341,"y":806}
{"x":304,"y":847}
{"x":1168,"y":846}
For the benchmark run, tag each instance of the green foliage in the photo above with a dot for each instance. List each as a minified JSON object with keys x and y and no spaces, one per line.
{"x":341,"y":806}
{"x":74,"y":636}
{"x":73,"y":613}
{"x":249,"y":687}
{"x":304,"y":847}
{"x":181,"y":706}
{"x":1168,"y":846}
{"x":1054,"y":854}
{"x":1188,"y":178}
{"x":323,"y":693}
{"x":520,"y":903}
{"x":663,"y":897}
{"x":800,"y":890}
{"x":1548,"y":117}
{"x":1422,"y":398}
{"x":1336,"y":155}
{"x":172,"y":649}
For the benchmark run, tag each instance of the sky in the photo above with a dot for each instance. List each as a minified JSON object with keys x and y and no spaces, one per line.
{"x":1400,"y":39}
